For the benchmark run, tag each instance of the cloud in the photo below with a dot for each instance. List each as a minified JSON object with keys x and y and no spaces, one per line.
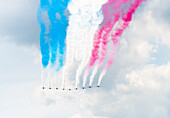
{"x":132,"y":88}
{"x":150,"y":22}
{"x":18,"y":63}
{"x":18,"y":22}
{"x":143,"y":93}
{"x":86,"y":115}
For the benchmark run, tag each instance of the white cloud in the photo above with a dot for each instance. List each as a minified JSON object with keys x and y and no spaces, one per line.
{"x":132,"y":88}
{"x":19,"y":21}
{"x":18,"y":63}
{"x":86,"y":115}
{"x":150,"y":77}
{"x":150,"y":22}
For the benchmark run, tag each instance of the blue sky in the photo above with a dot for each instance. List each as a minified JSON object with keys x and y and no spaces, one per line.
{"x":136,"y":86}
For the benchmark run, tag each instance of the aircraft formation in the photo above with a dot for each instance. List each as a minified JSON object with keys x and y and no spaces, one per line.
{"x":86,"y":32}
{"x":68,"y":89}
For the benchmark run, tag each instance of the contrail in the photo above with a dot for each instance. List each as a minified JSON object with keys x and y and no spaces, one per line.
{"x":126,"y":18}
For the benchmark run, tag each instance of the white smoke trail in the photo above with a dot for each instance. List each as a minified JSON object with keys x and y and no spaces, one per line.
{"x":101,"y":77}
{"x":76,"y":22}
{"x":92,"y":18}
{"x":51,"y":77}
{"x":47,"y":77}
{"x":80,"y":34}
{"x":93,"y":75}
{"x":70,"y":42}
{"x":79,"y":42}
{"x":71,"y":39}
{"x":43,"y":76}
{"x":87,"y":54}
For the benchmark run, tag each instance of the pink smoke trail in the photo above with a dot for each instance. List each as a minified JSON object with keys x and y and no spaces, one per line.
{"x":97,"y":39}
{"x":96,"y":46}
{"x":102,"y":32}
{"x":111,"y":12}
{"x":98,"y":36}
{"x":126,"y":18}
{"x":95,"y":51}
{"x":116,"y":15}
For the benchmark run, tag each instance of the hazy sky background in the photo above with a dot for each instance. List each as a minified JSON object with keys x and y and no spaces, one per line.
{"x":136,"y":86}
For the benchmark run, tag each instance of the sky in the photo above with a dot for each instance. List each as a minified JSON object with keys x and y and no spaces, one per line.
{"x":136,"y":86}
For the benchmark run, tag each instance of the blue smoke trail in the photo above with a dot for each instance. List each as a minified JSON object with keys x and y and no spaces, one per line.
{"x":44,"y":41}
{"x":53,"y":43}
{"x":58,"y":16}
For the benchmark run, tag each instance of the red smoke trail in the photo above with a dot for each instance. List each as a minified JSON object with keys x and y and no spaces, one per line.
{"x":126,"y":18}
{"x":95,"y":53}
{"x":96,"y":46}
{"x":111,"y":12}
{"x":111,"y":16}
{"x":107,"y":11}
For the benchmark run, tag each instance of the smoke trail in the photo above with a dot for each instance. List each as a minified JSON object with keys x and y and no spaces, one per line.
{"x":109,"y":25}
{"x":126,"y":18}
{"x":97,"y":39}
{"x":43,"y":19}
{"x":82,"y":38}
{"x":44,"y":33}
{"x":58,"y":14}
{"x":52,"y":16}
{"x":103,"y":53}
{"x":43,"y":76}
{"x":80,"y":34}
{"x":69,"y":55}
{"x":87,"y":53}
{"x":79,"y":42}
{"x":75,"y":36}
{"x":91,"y":17}
{"x":109,"y":62}
{"x":94,"y":55}
{"x":73,"y":28}
{"x":111,"y":12}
